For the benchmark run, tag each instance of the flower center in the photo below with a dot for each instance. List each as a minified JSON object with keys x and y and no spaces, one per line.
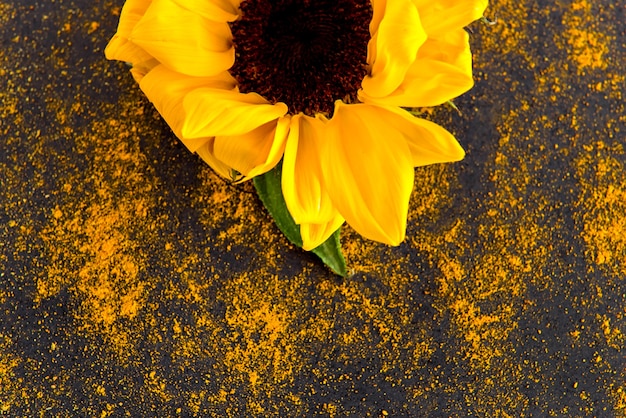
{"x":305,"y":53}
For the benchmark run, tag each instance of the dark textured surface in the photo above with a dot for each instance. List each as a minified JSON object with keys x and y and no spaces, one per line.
{"x":134,"y":282}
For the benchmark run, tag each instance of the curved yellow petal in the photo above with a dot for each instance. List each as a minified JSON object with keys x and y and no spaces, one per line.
{"x":428,"y":142}
{"x":167,"y":90}
{"x":314,"y":235}
{"x":368,"y":171}
{"x":442,"y":84}
{"x":184,"y":41}
{"x":119,"y":47}
{"x":432,"y":144}
{"x":255,"y":152}
{"x":206,"y":152}
{"x":302,"y":187}
{"x":218,"y":112}
{"x":442,"y":71}
{"x":393,"y":47}
{"x":276,"y":151}
{"x":378,"y":11}
{"x":216,"y":10}
{"x":140,"y":69}
{"x":440,"y":16}
{"x":452,"y":48}
{"x":132,"y":12}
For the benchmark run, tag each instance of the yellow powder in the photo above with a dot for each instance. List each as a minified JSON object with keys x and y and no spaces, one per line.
{"x":92,"y":244}
{"x":603,"y":207}
{"x":10,"y":391}
{"x":264,"y":315}
{"x":588,"y":46}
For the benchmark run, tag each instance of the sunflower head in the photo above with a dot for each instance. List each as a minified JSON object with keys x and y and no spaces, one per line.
{"x":318,"y":84}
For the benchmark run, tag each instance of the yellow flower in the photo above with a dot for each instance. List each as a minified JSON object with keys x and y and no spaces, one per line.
{"x":317,"y":83}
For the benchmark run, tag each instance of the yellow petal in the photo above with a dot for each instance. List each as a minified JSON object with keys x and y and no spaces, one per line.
{"x":440,"y":16}
{"x":314,"y":235}
{"x":140,"y":69}
{"x":217,"y":112}
{"x":167,"y":90}
{"x":132,"y":12}
{"x":119,"y":47}
{"x":428,"y":142}
{"x":452,"y":48}
{"x":393,"y":47}
{"x":378,"y":11}
{"x":441,"y":72}
{"x":184,"y":41}
{"x":277,"y":149}
{"x":255,"y":152}
{"x":206,"y":152}
{"x":368,"y":171}
{"x":216,"y":10}
{"x":432,"y":144}
{"x":122,"y":49}
{"x":304,"y":194}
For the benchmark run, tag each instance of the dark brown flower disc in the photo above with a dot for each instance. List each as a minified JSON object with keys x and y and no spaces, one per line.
{"x":305,"y":53}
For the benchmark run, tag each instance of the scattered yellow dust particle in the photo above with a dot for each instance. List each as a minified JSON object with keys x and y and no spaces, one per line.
{"x":57,"y":213}
{"x":93,"y":26}
{"x":254,"y":377}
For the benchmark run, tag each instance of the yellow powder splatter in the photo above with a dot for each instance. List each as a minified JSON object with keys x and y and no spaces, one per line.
{"x":601,"y":173}
{"x":92,"y":248}
{"x":509,"y":34}
{"x":268,"y":354}
{"x":156,"y":384}
{"x":259,"y":331}
{"x":482,"y":291}
{"x":7,"y":13}
{"x":620,"y":400}
{"x":9,"y":386}
{"x":463,"y":288}
{"x":587,"y":46}
{"x":614,"y":336}
{"x":503,"y":271}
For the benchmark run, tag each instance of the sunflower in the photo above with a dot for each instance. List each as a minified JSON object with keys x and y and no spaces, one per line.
{"x":320,"y":85}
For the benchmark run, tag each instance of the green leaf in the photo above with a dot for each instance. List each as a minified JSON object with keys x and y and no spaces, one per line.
{"x":330,"y":253}
{"x":268,"y":187}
